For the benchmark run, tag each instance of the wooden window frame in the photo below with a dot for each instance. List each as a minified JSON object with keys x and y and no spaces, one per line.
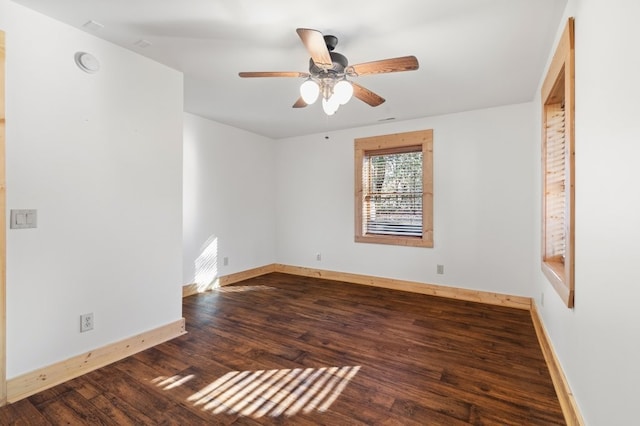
{"x":391,"y":144}
{"x":559,"y":89}
{"x":3,"y":236}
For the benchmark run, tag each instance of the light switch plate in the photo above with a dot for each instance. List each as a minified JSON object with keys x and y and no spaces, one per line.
{"x":23,"y":218}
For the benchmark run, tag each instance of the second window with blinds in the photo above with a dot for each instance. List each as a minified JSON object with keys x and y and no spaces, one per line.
{"x":394,"y":189}
{"x":558,"y":160}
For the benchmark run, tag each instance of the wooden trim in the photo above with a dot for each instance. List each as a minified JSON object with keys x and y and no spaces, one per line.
{"x":421,"y":140}
{"x":394,"y":240}
{"x":191,"y":289}
{"x":3,"y":230}
{"x":245,"y":275}
{"x":518,"y":302}
{"x":38,"y":380}
{"x":563,"y":54}
{"x":559,"y":87}
{"x":554,"y":271}
{"x":565,"y":395}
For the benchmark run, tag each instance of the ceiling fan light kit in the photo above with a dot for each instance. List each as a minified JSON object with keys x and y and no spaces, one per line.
{"x":309,"y":90}
{"x":334,"y":93}
{"x":328,"y":71}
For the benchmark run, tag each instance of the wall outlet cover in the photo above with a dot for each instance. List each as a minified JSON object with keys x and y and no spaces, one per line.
{"x":86,"y":322}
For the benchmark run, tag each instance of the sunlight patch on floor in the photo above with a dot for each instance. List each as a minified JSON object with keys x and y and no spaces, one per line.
{"x":269,"y":392}
{"x":168,"y":383}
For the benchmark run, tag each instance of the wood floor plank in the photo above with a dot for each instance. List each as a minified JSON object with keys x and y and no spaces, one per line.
{"x":73,"y":409}
{"x":22,"y":413}
{"x":119,"y":411}
{"x":281,"y":349}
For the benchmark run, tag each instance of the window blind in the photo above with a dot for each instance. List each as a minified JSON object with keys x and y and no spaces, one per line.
{"x":392,"y":184}
{"x":555,"y":178}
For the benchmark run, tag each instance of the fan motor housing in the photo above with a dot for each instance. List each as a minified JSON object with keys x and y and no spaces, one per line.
{"x":340,"y":63}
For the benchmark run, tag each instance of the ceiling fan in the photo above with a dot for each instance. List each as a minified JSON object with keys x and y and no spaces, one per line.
{"x":328,"y":72}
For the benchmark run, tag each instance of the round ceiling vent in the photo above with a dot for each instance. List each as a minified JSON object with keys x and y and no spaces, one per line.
{"x":87,"y":62}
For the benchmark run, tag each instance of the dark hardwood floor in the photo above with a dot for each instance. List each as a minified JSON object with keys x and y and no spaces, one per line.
{"x":282,"y":349}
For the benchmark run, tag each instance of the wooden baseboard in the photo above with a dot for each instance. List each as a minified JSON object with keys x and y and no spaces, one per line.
{"x":33,"y":382}
{"x":245,"y":275}
{"x":563,"y":391}
{"x":411,"y":286}
{"x":191,"y":289}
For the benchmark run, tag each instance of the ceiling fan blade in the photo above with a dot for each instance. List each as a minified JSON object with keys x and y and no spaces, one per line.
{"x":300,"y":103}
{"x":366,"y":95}
{"x":273,"y":74}
{"x":404,"y":63}
{"x":314,"y":42}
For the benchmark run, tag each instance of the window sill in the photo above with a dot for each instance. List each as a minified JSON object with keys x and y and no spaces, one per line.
{"x":555,"y":273}
{"x":394,"y":240}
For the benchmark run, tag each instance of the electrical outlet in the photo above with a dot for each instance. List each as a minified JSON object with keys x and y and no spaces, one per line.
{"x":318,"y":257}
{"x":225,"y":261}
{"x":440,"y":269}
{"x":542,"y":298}
{"x":86,"y":322}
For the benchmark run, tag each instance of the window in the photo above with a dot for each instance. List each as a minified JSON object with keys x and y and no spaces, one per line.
{"x":558,"y":169}
{"x":394,"y":189}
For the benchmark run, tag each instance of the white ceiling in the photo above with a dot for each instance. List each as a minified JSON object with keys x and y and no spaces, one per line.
{"x":472,"y":53}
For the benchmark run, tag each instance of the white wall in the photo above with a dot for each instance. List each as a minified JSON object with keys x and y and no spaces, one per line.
{"x":598,"y":342}
{"x":229,"y":201}
{"x":100,"y":157}
{"x":482,"y":196}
